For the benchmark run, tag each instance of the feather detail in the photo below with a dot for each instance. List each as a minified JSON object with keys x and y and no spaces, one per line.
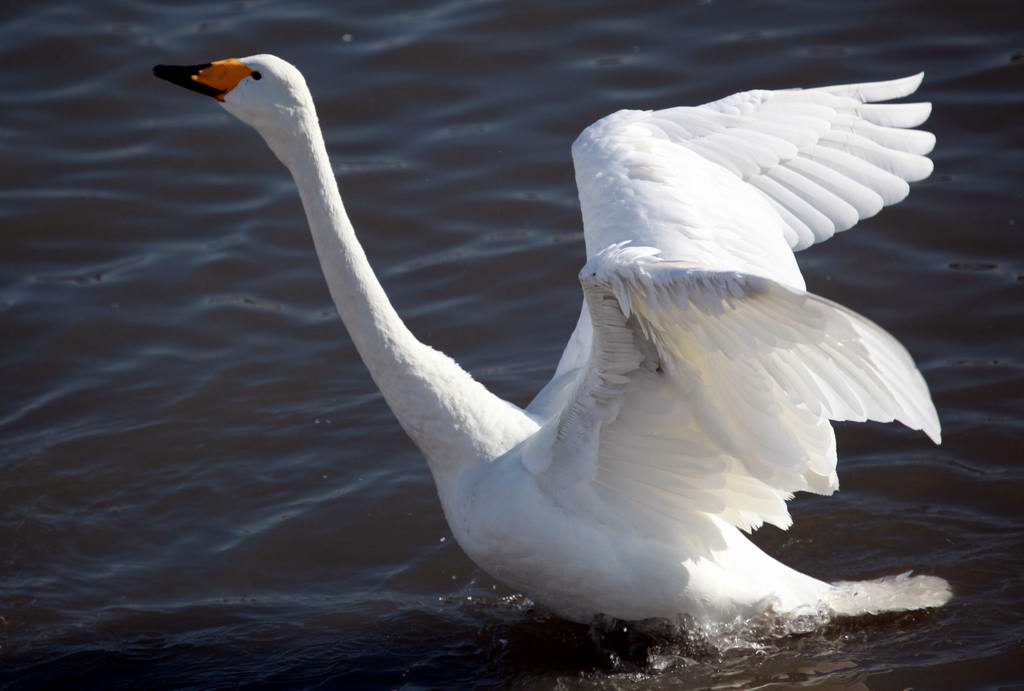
{"x":750,"y":372}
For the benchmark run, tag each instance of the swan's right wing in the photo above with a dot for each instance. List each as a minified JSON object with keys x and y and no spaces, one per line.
{"x":712,"y":392}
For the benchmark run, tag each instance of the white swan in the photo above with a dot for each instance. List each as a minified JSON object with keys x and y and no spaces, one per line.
{"x":695,"y":394}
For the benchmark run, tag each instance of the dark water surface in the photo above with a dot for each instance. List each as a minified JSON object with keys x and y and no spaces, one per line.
{"x":199,"y":484}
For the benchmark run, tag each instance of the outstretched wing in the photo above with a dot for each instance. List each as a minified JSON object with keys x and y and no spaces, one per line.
{"x":701,"y":375}
{"x":741,"y":183}
{"x":812,"y":163}
{"x":712,"y":391}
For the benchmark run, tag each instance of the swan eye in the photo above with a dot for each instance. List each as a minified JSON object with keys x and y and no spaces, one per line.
{"x":257,"y":76}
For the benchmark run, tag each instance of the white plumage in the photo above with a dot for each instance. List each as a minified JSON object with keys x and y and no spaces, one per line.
{"x":695,"y":395}
{"x":746,"y":373}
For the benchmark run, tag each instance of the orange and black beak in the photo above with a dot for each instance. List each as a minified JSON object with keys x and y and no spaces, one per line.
{"x":212,"y":79}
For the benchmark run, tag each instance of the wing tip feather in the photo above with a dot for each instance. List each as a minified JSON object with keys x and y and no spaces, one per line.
{"x":872,"y":92}
{"x":913,"y":82}
{"x":933,"y":428}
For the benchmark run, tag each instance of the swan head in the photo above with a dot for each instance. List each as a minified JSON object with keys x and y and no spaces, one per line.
{"x":262,"y":91}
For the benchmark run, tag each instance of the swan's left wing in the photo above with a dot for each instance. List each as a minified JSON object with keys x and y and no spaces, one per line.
{"x":712,"y":391}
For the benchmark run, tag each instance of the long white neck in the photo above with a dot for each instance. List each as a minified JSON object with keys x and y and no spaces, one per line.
{"x":451,"y":417}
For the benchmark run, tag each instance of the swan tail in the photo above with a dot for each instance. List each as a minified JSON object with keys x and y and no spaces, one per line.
{"x":899,"y":593}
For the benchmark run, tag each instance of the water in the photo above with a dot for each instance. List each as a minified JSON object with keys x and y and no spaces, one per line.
{"x":200,"y":486}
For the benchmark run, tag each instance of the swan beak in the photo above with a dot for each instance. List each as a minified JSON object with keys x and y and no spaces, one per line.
{"x":212,"y":79}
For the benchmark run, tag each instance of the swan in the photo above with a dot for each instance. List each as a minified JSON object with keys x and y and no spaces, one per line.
{"x":695,"y":395}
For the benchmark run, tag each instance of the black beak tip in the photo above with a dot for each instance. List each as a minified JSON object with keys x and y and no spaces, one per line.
{"x":182,"y":76}
{"x":172,"y":73}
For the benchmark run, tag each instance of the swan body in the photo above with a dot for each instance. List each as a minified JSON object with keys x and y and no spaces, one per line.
{"x":695,"y":395}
